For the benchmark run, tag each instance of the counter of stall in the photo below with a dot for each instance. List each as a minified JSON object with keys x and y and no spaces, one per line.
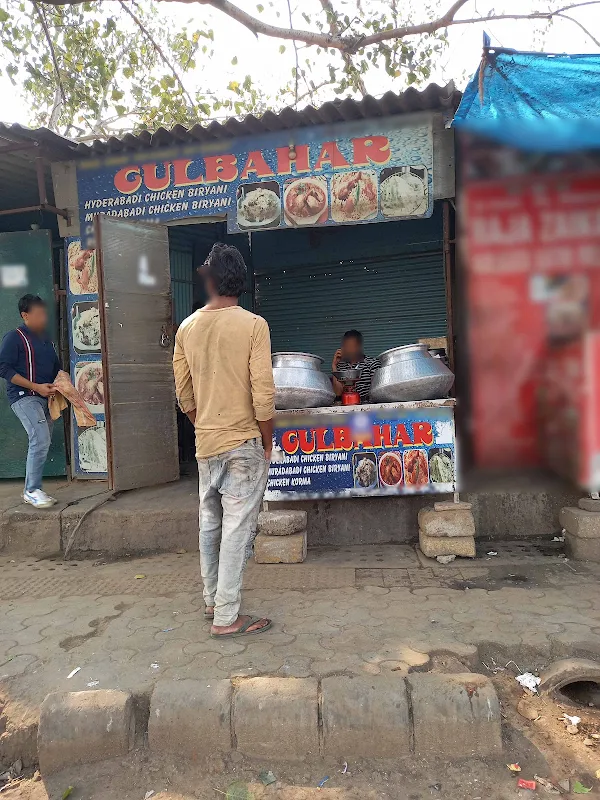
{"x":398,"y":447}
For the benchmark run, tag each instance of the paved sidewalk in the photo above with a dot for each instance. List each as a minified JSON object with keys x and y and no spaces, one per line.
{"x":361,"y":610}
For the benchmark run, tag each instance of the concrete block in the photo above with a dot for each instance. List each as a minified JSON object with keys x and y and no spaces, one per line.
{"x":582,"y":549}
{"x":588,"y":504}
{"x":365,"y":717}
{"x":190,"y":718}
{"x":83,"y":727}
{"x":277,"y":718}
{"x":580,"y":523}
{"x":31,"y":532}
{"x":280,"y":549}
{"x":450,"y":505}
{"x":455,"y":716}
{"x":281,"y":523}
{"x":446,"y":523}
{"x":434,"y":546}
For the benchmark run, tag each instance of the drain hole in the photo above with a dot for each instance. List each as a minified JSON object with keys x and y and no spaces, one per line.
{"x":583,"y":693}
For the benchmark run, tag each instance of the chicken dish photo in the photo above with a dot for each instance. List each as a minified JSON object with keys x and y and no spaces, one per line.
{"x":354,"y":196}
{"x":416,"y":472}
{"x":89,"y":384}
{"x":390,"y":469}
{"x":365,"y":473}
{"x":305,"y":200}
{"x":83,"y":277}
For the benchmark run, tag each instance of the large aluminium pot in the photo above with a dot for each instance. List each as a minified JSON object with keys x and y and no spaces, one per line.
{"x":299,"y":382}
{"x":410,"y":373}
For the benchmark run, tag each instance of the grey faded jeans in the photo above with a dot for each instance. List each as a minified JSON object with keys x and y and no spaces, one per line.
{"x":231,"y":487}
{"x":35,"y":418}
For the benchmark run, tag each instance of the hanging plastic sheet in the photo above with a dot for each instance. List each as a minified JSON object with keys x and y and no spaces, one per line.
{"x":534,"y":101}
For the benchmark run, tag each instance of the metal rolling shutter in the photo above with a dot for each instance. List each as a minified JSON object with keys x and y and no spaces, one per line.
{"x":392,"y":299}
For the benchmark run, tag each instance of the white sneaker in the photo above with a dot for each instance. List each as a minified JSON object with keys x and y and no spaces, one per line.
{"x":38,"y":498}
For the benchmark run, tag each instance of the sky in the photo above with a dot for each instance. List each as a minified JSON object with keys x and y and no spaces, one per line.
{"x":261,"y":58}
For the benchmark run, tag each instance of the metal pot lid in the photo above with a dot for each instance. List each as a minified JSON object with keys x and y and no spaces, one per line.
{"x":297,"y":354}
{"x":405,"y":348}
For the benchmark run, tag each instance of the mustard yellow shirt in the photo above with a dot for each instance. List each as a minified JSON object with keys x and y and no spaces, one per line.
{"x":222,"y":366}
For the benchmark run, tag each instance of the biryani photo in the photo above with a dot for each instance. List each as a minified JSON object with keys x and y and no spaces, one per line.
{"x":90,"y":385}
{"x":441,"y":468}
{"x":305,"y":200}
{"x":86,"y":327}
{"x":83,"y":276}
{"x":415,"y":468}
{"x":365,"y":472}
{"x":404,"y":192}
{"x":91,"y":446}
{"x":354,"y":196}
{"x":390,"y":469}
{"x":258,"y":207}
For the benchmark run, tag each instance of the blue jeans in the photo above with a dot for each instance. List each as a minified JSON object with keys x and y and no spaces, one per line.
{"x":35,"y":418}
{"x":231,"y":487}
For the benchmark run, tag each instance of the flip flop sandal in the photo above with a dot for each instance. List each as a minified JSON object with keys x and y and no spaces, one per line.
{"x":209,"y":612}
{"x":243,"y":631}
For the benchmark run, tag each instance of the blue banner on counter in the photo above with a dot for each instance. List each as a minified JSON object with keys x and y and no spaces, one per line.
{"x":85,"y":350}
{"x":388,"y":450}
{"x":350,"y":173}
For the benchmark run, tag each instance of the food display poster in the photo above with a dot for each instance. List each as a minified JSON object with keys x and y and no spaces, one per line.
{"x":362,"y":453}
{"x":83,"y":316}
{"x":349,"y":173}
{"x":533,"y":262}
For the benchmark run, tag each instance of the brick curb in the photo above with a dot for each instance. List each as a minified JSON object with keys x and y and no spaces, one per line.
{"x":452,"y":716}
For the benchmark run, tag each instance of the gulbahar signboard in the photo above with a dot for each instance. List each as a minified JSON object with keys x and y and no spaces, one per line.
{"x":393,"y":449}
{"x":346,"y":174}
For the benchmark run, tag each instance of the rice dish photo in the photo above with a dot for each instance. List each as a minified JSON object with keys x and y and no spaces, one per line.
{"x":83,"y":276}
{"x":403,"y":194}
{"x":305,"y":200}
{"x":365,"y":473}
{"x":91,"y":445}
{"x":258,"y":207}
{"x":354,"y":196}
{"x":86,"y":328}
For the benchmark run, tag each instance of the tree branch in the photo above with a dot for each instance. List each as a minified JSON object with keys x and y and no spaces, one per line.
{"x":335,"y":31}
{"x":41,"y":14}
{"x":159,"y":50}
{"x":348,"y":44}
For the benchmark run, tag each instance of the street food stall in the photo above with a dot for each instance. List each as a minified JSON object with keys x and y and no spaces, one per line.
{"x":299,"y":193}
{"x":404,"y":444}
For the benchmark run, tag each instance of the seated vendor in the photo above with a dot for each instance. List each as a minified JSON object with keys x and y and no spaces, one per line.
{"x":350,"y":356}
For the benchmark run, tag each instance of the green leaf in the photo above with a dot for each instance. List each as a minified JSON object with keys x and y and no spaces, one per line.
{"x":4,"y":15}
{"x":579,"y":788}
{"x":282,"y":48}
{"x":234,"y":60}
{"x":260,"y":8}
{"x":67,"y":792}
{"x":116,"y":94}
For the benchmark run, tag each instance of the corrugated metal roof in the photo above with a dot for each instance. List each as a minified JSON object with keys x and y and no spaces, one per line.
{"x":433,"y":98}
{"x":18,"y":176}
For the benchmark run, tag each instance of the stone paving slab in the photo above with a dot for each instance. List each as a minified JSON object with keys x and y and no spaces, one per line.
{"x":126,"y":633}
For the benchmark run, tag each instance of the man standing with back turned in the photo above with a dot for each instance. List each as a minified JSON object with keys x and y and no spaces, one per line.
{"x":224,"y":383}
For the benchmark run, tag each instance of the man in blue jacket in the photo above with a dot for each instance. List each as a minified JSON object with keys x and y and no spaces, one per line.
{"x":29,"y":365}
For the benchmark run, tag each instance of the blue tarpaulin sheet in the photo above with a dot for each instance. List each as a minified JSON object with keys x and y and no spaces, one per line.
{"x":535,"y":101}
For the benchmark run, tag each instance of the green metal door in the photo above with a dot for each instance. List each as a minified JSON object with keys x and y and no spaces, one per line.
{"x":25,"y":267}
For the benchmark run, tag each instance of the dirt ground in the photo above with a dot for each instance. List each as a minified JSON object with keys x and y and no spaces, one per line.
{"x":535,"y":737}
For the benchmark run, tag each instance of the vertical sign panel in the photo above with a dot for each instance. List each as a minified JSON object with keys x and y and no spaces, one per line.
{"x":83,"y":316}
